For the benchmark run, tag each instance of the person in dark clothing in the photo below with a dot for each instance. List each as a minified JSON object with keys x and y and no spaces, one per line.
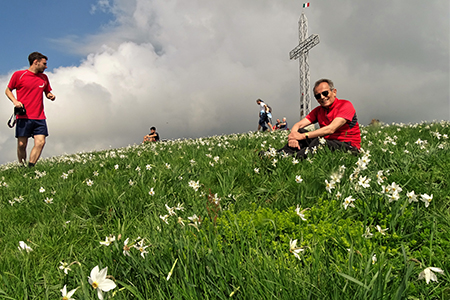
{"x":153,"y":136}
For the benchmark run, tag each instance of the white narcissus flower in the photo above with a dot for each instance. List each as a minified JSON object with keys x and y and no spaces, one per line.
{"x":394,"y":196}
{"x":99,"y":281}
{"x":108,"y":240}
{"x":395,"y":188}
{"x":374,"y":259}
{"x":348,"y":202}
{"x":65,"y":267}
{"x":412,"y":197}
{"x":126,"y":248}
{"x":67,"y":295}
{"x":294,"y":249}
{"x":141,"y":247}
{"x":329,"y":185}
{"x":364,"y":181}
{"x":164,"y":218}
{"x":300,"y":213}
{"x":152,"y":192}
{"x":367,"y":234}
{"x":194,"y":219}
{"x":427,"y":199}
{"x":23,"y":246}
{"x":429,"y":275}
{"x":382,"y":231}
{"x":171,"y":210}
{"x":298,"y":179}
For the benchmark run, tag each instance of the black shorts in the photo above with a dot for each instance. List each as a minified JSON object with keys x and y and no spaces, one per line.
{"x":30,"y":127}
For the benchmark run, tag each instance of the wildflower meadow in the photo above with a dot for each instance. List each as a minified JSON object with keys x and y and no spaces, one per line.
{"x":210,"y":218}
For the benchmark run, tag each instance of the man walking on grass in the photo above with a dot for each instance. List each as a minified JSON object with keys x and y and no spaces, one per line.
{"x":30,"y":85}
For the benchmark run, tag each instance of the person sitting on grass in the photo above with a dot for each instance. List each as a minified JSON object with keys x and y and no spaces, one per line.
{"x":283,"y":125}
{"x":337,"y":120}
{"x":153,"y":136}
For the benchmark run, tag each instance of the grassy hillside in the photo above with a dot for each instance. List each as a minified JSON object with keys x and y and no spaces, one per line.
{"x":210,"y":219}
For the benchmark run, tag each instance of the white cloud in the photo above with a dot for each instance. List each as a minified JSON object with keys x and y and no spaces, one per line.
{"x":195,"y":68}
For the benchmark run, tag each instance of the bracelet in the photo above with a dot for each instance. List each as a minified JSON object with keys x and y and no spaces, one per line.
{"x":307,"y":135}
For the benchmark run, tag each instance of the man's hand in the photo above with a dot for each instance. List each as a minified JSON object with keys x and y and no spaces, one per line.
{"x":295,"y":135}
{"x":51,"y":96}
{"x":18,"y":104}
{"x":294,"y":144}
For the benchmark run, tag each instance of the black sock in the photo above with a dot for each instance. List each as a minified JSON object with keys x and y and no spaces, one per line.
{"x":30,"y":165}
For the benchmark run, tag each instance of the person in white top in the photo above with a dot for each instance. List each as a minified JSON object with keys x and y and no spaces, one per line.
{"x":265,"y":116}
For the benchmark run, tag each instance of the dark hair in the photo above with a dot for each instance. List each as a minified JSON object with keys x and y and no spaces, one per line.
{"x":152,"y":128}
{"x":36,"y":55}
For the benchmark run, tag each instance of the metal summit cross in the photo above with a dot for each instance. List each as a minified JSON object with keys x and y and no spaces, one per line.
{"x":301,"y":52}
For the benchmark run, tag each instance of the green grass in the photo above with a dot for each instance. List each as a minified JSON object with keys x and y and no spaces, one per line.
{"x":239,"y":248}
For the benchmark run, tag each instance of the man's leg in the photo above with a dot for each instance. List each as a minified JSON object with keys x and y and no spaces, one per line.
{"x":338,"y":145}
{"x":22,"y":142}
{"x":304,"y":144}
{"x":39,"y":142}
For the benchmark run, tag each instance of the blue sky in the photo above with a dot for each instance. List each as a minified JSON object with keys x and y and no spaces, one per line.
{"x":194,"y":68}
{"x":36,"y":25}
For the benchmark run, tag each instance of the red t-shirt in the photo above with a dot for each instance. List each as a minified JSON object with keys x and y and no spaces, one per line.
{"x":30,"y":88}
{"x":349,"y":132}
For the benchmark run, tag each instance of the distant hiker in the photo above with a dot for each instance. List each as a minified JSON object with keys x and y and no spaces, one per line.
{"x":265,"y":116}
{"x":375,"y":122}
{"x":277,"y":124}
{"x":30,"y":85}
{"x":283,"y":125}
{"x":337,"y":120}
{"x":153,"y":136}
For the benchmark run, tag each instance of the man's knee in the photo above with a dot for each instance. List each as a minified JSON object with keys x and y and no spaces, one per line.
{"x":39,"y":141}
{"x":22,"y":143}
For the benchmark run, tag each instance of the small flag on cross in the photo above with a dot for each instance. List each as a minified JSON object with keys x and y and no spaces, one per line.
{"x":305,"y":5}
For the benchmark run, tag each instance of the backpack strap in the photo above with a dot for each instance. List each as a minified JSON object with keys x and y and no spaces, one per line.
{"x":13,"y":120}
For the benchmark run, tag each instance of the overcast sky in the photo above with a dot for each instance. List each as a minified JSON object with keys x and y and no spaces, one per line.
{"x":195,"y":68}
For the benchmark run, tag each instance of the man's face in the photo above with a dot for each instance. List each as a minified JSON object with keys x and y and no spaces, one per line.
{"x":323,"y":88}
{"x":152,"y":130}
{"x":41,"y":65}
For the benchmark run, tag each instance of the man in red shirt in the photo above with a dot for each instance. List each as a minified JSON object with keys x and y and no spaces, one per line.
{"x":337,"y":120}
{"x":30,"y":85}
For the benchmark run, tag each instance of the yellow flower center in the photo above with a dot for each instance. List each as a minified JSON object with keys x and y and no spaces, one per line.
{"x":65,"y":298}
{"x":95,"y":285}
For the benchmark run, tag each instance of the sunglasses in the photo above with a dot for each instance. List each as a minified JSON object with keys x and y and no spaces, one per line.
{"x":324,"y":93}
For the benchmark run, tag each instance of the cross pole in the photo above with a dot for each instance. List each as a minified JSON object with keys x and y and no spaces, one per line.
{"x":301,"y":53}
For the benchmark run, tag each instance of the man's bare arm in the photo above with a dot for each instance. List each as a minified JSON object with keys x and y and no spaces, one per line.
{"x":13,"y":99}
